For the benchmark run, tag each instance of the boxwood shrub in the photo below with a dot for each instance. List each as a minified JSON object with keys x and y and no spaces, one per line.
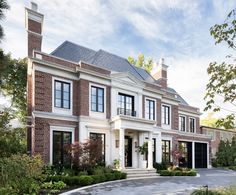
{"x":177,"y":173}
{"x":85,"y":180}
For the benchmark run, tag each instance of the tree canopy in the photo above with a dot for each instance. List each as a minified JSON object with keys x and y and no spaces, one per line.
{"x":142,"y":62}
{"x":3,"y":6}
{"x":223,"y":75}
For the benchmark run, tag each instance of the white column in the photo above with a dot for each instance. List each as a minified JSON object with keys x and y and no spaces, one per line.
{"x":193,"y":155}
{"x":158,"y":149}
{"x":122,"y":148}
{"x":150,"y":161}
{"x":140,"y":141}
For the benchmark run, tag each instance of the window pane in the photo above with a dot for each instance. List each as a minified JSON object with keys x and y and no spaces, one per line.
{"x":93,"y":107}
{"x":56,"y":147}
{"x":58,"y":85}
{"x":100,"y":100}
{"x":100,"y":108}
{"x":66,"y":96}
{"x":58,"y":103}
{"x":66,"y":87}
{"x":100,"y":92}
{"x":94,"y":91}
{"x":94,"y":99}
{"x":58,"y":94}
{"x":66,"y":104}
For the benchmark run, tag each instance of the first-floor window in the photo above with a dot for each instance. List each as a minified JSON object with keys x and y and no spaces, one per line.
{"x":150,"y":109}
{"x":182,"y":122}
{"x":192,"y":125}
{"x":100,"y":137}
{"x":166,"y":151}
{"x":166,"y":114}
{"x":61,"y":139}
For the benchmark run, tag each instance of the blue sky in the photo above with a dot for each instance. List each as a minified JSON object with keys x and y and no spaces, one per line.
{"x":177,"y":30}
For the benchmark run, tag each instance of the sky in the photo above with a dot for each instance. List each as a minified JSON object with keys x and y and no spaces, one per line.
{"x":176,"y":30}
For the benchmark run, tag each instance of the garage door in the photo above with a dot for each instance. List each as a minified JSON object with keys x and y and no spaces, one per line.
{"x":200,"y":155}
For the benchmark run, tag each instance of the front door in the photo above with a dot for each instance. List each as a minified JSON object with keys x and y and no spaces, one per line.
{"x":200,"y":155}
{"x":128,"y":151}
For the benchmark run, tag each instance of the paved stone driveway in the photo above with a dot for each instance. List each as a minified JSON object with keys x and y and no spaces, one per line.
{"x":163,"y":185}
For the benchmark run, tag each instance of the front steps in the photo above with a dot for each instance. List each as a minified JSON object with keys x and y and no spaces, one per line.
{"x":139,"y":173}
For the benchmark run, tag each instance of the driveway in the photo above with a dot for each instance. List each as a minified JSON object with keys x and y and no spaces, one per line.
{"x":162,"y":185}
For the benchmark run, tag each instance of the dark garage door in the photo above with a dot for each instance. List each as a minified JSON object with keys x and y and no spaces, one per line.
{"x":200,"y":155}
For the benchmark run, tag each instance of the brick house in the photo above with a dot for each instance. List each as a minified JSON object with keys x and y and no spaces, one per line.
{"x":76,"y":93}
{"x":217,"y":134}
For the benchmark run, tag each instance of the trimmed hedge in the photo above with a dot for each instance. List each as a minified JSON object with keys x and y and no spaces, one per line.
{"x":84,"y":180}
{"x":177,"y":173}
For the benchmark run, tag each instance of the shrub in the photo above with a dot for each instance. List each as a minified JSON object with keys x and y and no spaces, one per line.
{"x":191,"y":173}
{"x":83,"y":173}
{"x":85,"y":180}
{"x":98,"y":171}
{"x":21,"y":173}
{"x":165,"y":173}
{"x":123,"y":175}
{"x":117,"y":175}
{"x":178,"y":173}
{"x":53,"y":187}
{"x":160,"y":166}
{"x":232,"y":168}
{"x":109,"y":176}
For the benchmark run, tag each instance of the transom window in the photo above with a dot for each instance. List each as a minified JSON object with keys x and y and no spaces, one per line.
{"x":165,"y":151}
{"x":192,"y":124}
{"x":182,"y":123}
{"x":166,"y":114}
{"x":97,"y":99}
{"x":62,"y":94}
{"x":150,"y":109}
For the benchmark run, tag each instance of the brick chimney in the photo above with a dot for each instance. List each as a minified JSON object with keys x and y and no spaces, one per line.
{"x":34,"y":24}
{"x":159,"y":73}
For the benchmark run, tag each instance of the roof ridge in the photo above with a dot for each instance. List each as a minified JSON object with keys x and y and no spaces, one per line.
{"x":80,"y":46}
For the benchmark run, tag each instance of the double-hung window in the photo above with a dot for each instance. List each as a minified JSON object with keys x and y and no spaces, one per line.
{"x":62,"y":94}
{"x":166,"y":114}
{"x":192,"y":124}
{"x":150,"y":109}
{"x":182,"y":123}
{"x":97,"y":99}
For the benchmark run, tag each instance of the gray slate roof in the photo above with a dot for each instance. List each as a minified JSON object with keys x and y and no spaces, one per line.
{"x":73,"y":52}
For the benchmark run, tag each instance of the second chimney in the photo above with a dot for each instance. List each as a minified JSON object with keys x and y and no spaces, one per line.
{"x":159,"y":73}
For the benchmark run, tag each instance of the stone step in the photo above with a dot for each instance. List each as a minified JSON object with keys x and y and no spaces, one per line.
{"x":129,"y":176}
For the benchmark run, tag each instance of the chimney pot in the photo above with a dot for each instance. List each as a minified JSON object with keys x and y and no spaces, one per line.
{"x":161,"y":61}
{"x":34,"y":6}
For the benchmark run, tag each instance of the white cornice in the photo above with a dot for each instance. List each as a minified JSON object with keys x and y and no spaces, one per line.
{"x":50,"y":115}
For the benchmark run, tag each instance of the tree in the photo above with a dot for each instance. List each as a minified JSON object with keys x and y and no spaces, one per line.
{"x":223,"y":75}
{"x":141,"y":62}
{"x":209,"y":121}
{"x":3,"y":6}
{"x":13,"y":81}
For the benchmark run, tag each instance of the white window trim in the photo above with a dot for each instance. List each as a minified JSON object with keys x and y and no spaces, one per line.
{"x":94,"y":113}
{"x":62,"y":110}
{"x":155,"y":108}
{"x":165,"y":125}
{"x":60,"y":128}
{"x":185,"y":130}
{"x":194,"y":125}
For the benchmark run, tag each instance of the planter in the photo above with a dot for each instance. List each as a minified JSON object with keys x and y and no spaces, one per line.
{"x":143,"y":164}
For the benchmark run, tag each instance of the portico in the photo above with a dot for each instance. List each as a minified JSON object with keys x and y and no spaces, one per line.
{"x":129,"y":134}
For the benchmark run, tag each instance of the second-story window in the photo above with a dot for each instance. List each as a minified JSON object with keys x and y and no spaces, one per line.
{"x":182,"y":123}
{"x":192,"y":124}
{"x":166,"y":114}
{"x":62,"y":94}
{"x":126,"y":104}
{"x":97,"y":99}
{"x":150,"y":109}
